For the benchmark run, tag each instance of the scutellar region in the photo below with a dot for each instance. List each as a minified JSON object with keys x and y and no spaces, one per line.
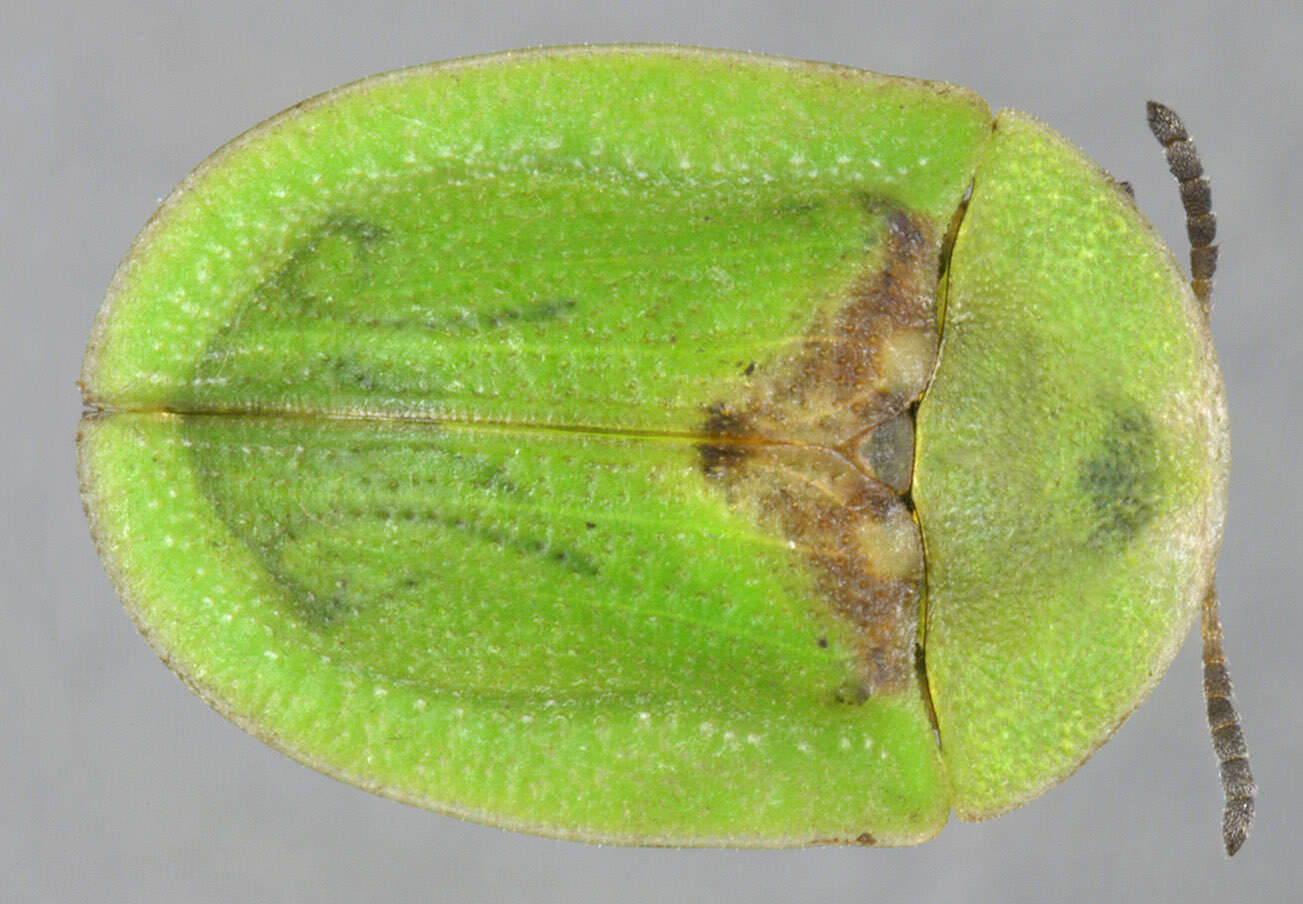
{"x":802,"y":454}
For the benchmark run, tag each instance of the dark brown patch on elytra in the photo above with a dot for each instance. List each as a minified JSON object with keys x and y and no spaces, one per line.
{"x":724,"y":423}
{"x":790,"y":451}
{"x":844,"y":378}
{"x":827,"y":510}
{"x":864,"y":838}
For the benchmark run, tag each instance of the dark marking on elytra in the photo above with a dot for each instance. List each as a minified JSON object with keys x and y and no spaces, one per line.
{"x":900,"y":296}
{"x":833,"y":388}
{"x":788,"y":451}
{"x":569,"y":559}
{"x":329,"y":278}
{"x":727,"y":448}
{"x":286,"y":292}
{"x":864,"y":838}
{"x":294,"y":534}
{"x":795,"y":207}
{"x":724,"y":421}
{"x":344,"y":371}
{"x":534,"y":311}
{"x":494,"y":478}
{"x":1121,"y":477}
{"x":852,"y":693}
{"x":322,"y":611}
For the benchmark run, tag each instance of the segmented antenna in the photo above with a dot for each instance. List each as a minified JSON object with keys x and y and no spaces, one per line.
{"x":1196,"y":197}
{"x":1228,"y":736}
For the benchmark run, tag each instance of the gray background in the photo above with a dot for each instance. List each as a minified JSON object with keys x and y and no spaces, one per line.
{"x":117,"y":785}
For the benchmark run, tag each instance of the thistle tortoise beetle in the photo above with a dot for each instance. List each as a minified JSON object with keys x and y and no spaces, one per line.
{"x":663,"y":445}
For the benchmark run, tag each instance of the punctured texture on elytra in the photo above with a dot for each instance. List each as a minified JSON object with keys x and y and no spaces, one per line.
{"x":409,"y":462}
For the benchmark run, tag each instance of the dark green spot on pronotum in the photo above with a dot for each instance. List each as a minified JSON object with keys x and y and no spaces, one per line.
{"x":665,"y":446}
{"x":1122,"y":477}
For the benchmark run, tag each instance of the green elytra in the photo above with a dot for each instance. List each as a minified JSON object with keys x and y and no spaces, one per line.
{"x":502,"y":436}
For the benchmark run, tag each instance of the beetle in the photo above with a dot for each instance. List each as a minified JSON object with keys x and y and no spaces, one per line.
{"x":657,"y":445}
